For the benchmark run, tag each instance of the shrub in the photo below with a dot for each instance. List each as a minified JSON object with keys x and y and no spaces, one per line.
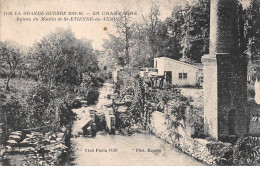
{"x":40,"y":106}
{"x":92,"y":96}
{"x":197,"y":120}
{"x":246,"y":152}
{"x":66,"y":114}
{"x":178,"y":105}
{"x":69,"y":75}
{"x":95,"y":82}
{"x":15,"y":113}
{"x":222,"y":152}
{"x":76,"y":104}
{"x":100,"y":80}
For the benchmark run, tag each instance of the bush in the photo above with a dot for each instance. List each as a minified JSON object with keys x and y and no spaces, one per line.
{"x":15,"y":113}
{"x":41,"y":107}
{"x":69,"y":75}
{"x":92,"y":96}
{"x":100,"y":80}
{"x":96,"y":81}
{"x":197,"y":120}
{"x":76,"y":104}
{"x":66,"y":114}
{"x":246,"y":152}
{"x":222,"y":152}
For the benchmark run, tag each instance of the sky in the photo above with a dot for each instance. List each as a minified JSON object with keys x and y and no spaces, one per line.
{"x":29,"y":32}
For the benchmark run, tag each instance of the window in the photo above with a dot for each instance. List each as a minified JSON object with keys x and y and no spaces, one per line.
{"x":113,"y":121}
{"x":156,"y":64}
{"x":183,"y":75}
{"x":180,"y":75}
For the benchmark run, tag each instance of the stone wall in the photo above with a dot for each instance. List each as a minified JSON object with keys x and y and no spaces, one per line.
{"x":200,"y":149}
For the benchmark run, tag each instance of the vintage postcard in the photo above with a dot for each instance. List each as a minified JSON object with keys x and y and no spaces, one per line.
{"x":129,"y":82}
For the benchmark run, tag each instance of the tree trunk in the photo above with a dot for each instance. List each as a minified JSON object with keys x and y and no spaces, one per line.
{"x":6,"y":127}
{"x":257,"y":91}
{"x":127,"y":54}
{"x":7,"y":83}
{"x":127,"y":45}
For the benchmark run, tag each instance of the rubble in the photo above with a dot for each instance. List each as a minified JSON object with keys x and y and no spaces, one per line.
{"x":34,"y":148}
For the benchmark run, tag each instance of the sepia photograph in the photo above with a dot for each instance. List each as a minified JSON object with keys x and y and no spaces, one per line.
{"x":129,"y":82}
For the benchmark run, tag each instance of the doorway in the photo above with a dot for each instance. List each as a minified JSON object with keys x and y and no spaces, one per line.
{"x":168,"y":77}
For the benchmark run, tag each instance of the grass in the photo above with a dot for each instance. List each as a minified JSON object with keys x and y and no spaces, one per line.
{"x":19,"y":87}
{"x":196,"y":94}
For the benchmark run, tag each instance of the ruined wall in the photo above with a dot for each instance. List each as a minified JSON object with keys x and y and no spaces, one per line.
{"x":199,"y":149}
{"x":225,"y":69}
{"x":210,"y":89}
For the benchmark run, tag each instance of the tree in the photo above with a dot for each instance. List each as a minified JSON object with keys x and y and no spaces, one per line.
{"x":195,"y":30}
{"x":14,"y":113}
{"x":252,"y":30}
{"x":106,"y":60}
{"x":114,"y":46}
{"x":151,"y":26}
{"x":60,"y":55}
{"x":168,"y":39}
{"x":141,"y":51}
{"x":252,"y":38}
{"x":68,"y":76}
{"x":85,"y":57}
{"x":10,"y":57}
{"x":124,"y":29}
{"x":53,"y":53}
{"x":185,"y":34}
{"x":40,"y":106}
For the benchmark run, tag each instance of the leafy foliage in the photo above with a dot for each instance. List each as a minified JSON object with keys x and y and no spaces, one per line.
{"x":124,"y":29}
{"x":15,"y":114}
{"x":40,"y":107}
{"x":115,"y":48}
{"x":222,"y":152}
{"x":65,"y":113}
{"x":190,"y":27}
{"x":246,"y":152}
{"x":43,"y":107}
{"x":177,"y":105}
{"x":184,"y":35}
{"x":69,"y":76}
{"x":92,"y":96}
{"x":252,"y":30}
{"x":197,"y":121}
{"x":146,"y":100}
{"x":9,"y":60}
{"x":63,"y":58}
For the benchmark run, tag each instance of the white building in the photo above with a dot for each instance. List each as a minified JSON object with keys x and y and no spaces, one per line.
{"x":178,"y":73}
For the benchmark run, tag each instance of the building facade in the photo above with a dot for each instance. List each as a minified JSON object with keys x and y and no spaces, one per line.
{"x":178,"y":73}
